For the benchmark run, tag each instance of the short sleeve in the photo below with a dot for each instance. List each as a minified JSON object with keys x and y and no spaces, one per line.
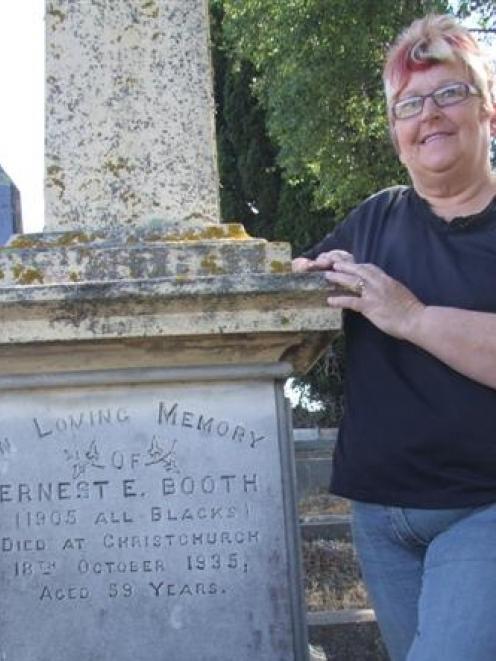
{"x":339,"y":239}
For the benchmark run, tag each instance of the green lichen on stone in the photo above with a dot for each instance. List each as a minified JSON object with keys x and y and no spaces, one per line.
{"x":238,"y":232}
{"x":24,"y":241}
{"x":234,"y":232}
{"x":277,"y":266}
{"x":56,"y":13}
{"x":129,"y":197}
{"x":2,"y":274}
{"x":209,"y":264}
{"x":55,"y":177}
{"x":150,"y":8}
{"x":284,"y":321}
{"x":26,"y":275}
{"x":117,"y":165}
{"x":72,"y":238}
{"x":54,"y":170}
{"x":17,"y":270}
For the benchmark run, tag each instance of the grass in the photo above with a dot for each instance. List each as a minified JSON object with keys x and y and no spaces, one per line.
{"x":322,"y":503}
{"x":332,"y":576}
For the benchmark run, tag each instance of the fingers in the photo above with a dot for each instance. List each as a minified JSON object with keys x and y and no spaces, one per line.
{"x":324,"y":262}
{"x":360,"y":270}
{"x":344,"y":302}
{"x":327,"y":260}
{"x":354,"y":282}
{"x":301,"y":264}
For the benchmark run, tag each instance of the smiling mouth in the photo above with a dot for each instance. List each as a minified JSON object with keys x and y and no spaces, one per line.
{"x":434,"y":136}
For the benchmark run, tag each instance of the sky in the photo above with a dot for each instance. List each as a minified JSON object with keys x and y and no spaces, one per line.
{"x":22,"y":37}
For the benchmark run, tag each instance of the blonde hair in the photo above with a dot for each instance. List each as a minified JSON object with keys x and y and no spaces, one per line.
{"x":438,"y":39}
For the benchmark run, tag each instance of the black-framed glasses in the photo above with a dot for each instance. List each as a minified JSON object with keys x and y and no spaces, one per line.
{"x":447,"y":95}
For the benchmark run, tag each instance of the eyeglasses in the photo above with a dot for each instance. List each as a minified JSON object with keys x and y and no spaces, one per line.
{"x":448,"y":95}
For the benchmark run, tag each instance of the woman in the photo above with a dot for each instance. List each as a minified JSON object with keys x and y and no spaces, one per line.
{"x":417,"y":447}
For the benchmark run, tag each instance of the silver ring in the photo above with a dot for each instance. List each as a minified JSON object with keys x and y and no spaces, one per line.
{"x":360,"y":286}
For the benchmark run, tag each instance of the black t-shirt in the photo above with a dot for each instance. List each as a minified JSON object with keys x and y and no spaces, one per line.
{"x":415,"y":432}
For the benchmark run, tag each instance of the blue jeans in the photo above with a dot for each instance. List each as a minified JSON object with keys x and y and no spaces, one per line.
{"x":431,"y":576}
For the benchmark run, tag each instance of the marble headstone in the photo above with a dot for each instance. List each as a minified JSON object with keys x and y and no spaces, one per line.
{"x":130,"y":132}
{"x":147,"y":521}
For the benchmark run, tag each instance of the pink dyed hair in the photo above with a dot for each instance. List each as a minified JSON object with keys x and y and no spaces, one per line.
{"x":438,"y":39}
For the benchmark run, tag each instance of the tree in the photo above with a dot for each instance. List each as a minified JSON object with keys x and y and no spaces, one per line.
{"x":318,"y":70}
{"x":253,"y":188}
{"x":483,"y":10}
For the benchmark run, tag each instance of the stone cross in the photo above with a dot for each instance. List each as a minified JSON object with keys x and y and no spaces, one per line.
{"x":130,"y":117}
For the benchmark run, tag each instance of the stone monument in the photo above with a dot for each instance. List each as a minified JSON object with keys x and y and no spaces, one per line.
{"x":146,"y":473}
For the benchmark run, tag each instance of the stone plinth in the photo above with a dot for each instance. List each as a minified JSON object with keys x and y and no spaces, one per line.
{"x":219,"y":300}
{"x":129,"y":121}
{"x":146,"y":467}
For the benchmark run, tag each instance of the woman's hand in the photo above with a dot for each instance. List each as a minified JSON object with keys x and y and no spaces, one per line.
{"x":385,"y":302}
{"x":324,"y":262}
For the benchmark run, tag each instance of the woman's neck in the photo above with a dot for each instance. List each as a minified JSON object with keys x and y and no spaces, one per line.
{"x":449,"y":200}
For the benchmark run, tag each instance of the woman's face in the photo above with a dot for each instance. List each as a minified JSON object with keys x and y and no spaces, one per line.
{"x":443,"y":141}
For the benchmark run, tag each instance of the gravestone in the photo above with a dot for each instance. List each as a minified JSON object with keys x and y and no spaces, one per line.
{"x":10,"y":208}
{"x":146,"y":470}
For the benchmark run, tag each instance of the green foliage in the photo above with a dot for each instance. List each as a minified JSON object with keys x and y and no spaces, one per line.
{"x":484,"y":10}
{"x":253,"y":189}
{"x":318,"y":70}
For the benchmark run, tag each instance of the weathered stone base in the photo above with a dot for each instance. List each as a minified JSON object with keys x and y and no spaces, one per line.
{"x":153,"y":509}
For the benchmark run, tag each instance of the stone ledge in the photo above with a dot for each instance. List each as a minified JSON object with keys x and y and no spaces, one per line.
{"x":155,"y":308}
{"x":168,"y":252}
{"x":298,"y":285}
{"x":50,"y":357}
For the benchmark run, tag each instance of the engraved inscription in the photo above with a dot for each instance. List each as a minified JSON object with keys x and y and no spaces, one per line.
{"x":46,"y":492}
{"x":173,"y":415}
{"x":5,"y":447}
{"x":135,"y":502}
{"x":74,"y":422}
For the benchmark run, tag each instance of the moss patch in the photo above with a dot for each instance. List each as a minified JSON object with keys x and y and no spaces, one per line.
{"x":27,"y":275}
{"x":70,"y":239}
{"x":277,"y":266}
{"x":209,"y":264}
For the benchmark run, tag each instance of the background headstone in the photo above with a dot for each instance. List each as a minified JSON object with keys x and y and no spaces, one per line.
{"x":10,"y":208}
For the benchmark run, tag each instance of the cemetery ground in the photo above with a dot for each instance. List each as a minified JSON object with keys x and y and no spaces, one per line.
{"x":340,"y":618}
{"x":332,"y":577}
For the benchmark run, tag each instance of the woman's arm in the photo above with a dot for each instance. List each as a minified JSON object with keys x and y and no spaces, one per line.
{"x":465,"y":340}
